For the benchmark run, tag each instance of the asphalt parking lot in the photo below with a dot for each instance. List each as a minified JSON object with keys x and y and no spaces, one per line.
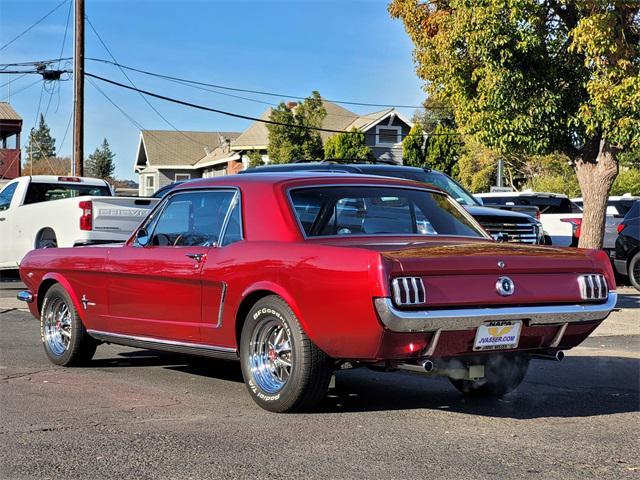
{"x":142,"y":414}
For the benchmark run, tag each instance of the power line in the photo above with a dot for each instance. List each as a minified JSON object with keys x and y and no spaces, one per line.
{"x":13,"y":80}
{"x":236,"y":115}
{"x":36,"y":62}
{"x":157,"y":112}
{"x":23,"y":89}
{"x":256,"y":92}
{"x":132,"y":120}
{"x":37,"y":22}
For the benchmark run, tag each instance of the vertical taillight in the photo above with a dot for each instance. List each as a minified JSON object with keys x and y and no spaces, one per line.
{"x":620,"y":227}
{"x":86,"y":220}
{"x":576,"y":223}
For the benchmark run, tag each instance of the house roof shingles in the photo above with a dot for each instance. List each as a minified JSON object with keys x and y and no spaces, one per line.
{"x":8,"y":113}
{"x":171,"y":148}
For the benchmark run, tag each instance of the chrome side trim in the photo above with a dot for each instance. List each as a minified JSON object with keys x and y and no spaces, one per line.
{"x":166,"y":345}
{"x":223,"y":295}
{"x":25,"y":296}
{"x":467,"y":318}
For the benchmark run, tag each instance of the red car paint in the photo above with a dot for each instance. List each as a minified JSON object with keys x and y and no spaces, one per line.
{"x":330,"y":283}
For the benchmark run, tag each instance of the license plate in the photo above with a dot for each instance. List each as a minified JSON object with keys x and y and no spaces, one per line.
{"x":498,"y":335}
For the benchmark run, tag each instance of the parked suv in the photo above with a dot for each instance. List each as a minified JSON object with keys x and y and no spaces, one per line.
{"x":561,"y":218}
{"x":500,"y":224}
{"x":627,"y":257}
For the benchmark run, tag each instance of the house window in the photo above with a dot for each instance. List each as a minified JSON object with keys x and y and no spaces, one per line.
{"x":182,"y":177}
{"x":149,"y":185}
{"x":388,"y":135}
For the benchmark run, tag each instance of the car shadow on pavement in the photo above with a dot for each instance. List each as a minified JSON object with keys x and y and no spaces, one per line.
{"x":206,"y":367}
{"x":577,"y":387}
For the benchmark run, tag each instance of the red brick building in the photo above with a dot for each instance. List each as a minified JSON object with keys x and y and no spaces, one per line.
{"x":10,"y":128}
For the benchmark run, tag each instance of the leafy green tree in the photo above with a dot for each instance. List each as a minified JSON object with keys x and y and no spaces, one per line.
{"x":550,"y":173}
{"x":286,"y":143}
{"x":100,"y":163}
{"x":348,"y":146}
{"x":477,"y":166}
{"x":413,"y":153}
{"x":255,"y":158}
{"x":536,"y":77}
{"x":443,"y":149}
{"x":41,"y":144}
{"x":628,"y":181}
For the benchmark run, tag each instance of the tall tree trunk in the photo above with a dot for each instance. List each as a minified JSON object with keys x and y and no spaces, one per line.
{"x":595,"y":176}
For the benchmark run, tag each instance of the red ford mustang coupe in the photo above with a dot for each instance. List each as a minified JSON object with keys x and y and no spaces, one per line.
{"x":296,"y":275}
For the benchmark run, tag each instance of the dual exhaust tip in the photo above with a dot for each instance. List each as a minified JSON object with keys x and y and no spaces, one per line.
{"x":429,"y":366}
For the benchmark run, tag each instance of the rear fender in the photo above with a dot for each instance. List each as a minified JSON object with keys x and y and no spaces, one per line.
{"x":281,"y":292}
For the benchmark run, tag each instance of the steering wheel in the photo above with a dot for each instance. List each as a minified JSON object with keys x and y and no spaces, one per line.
{"x":178,"y":238}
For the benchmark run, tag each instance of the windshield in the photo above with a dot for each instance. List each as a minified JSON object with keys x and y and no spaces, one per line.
{"x":355,"y":210}
{"x":452,"y":187}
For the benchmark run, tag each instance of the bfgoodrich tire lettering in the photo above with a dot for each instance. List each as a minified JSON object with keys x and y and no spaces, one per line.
{"x":283,"y":370}
{"x":64,"y":337}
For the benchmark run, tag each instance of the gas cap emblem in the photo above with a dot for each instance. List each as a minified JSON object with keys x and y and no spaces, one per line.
{"x":500,"y":264}
{"x":505,"y":286}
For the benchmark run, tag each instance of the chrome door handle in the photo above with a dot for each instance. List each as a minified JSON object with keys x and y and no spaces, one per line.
{"x":196,"y":256}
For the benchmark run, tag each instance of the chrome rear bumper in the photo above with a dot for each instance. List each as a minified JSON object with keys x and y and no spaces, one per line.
{"x":467,"y":318}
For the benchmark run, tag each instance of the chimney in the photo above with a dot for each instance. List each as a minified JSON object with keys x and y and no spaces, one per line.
{"x":292,"y":105}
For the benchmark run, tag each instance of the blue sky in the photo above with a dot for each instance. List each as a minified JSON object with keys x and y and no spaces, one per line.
{"x":347,"y":50}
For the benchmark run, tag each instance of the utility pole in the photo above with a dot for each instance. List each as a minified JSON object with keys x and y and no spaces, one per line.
{"x":500,"y":173}
{"x":77,"y":166}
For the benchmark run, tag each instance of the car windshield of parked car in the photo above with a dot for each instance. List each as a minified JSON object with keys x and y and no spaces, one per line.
{"x":355,"y":210}
{"x":46,"y":192}
{"x":452,"y":188}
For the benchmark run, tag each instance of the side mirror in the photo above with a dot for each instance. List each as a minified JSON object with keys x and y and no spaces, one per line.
{"x":142,"y":237}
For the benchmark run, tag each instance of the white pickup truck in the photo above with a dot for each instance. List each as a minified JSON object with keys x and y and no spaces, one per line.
{"x":48,"y":211}
{"x":561,"y":219}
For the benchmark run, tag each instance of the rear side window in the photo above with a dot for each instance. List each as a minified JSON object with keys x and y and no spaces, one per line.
{"x":6,"y":195}
{"x":46,"y":192}
{"x":634,"y":211}
{"x":354,"y":210}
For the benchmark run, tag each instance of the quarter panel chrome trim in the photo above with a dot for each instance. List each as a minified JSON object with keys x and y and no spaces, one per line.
{"x":166,"y":345}
{"x":223,"y":295}
{"x":398,"y":320}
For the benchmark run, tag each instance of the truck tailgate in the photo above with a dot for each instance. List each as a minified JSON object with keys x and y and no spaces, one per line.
{"x":120,"y":214}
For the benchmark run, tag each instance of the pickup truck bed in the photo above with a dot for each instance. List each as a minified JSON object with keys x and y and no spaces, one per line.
{"x":47,"y":211}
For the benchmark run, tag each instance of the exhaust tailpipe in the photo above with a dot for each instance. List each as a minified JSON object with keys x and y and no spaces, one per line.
{"x":555,"y":356}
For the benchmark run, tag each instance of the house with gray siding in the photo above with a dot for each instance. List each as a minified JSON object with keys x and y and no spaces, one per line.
{"x":164,"y":157}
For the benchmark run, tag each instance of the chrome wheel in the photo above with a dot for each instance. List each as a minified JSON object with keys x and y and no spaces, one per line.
{"x":57,"y":326}
{"x":271,"y":358}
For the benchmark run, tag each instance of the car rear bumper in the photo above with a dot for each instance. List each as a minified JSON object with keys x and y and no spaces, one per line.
{"x":404,"y":321}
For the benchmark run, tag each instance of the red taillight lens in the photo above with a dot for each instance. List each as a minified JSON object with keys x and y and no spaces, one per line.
{"x":86,"y":220}
{"x":538,"y":215}
{"x":620,"y":227}
{"x":576,"y":223}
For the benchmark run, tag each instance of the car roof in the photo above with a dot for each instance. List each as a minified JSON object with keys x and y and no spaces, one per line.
{"x":300,"y":178}
{"x":329,"y":165}
{"x":521,"y":194}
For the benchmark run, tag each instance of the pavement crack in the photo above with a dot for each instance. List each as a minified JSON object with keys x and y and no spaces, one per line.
{"x":7,"y":378}
{"x":8,"y":310}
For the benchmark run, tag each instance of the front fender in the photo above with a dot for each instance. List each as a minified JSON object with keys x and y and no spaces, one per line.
{"x":59,"y":278}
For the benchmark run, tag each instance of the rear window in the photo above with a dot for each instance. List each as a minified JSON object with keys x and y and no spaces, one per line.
{"x":45,"y":192}
{"x":324,"y":211}
{"x":545,"y":204}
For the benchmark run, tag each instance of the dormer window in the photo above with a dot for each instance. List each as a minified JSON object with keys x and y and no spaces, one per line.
{"x":387,"y":135}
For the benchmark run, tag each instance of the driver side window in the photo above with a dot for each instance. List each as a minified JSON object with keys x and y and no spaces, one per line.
{"x":192,"y":219}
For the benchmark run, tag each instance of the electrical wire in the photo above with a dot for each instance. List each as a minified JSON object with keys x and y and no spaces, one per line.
{"x":237,"y":115}
{"x":13,"y":80}
{"x":37,"y":22}
{"x":256,"y":92}
{"x":157,"y":112}
{"x":22,"y":89}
